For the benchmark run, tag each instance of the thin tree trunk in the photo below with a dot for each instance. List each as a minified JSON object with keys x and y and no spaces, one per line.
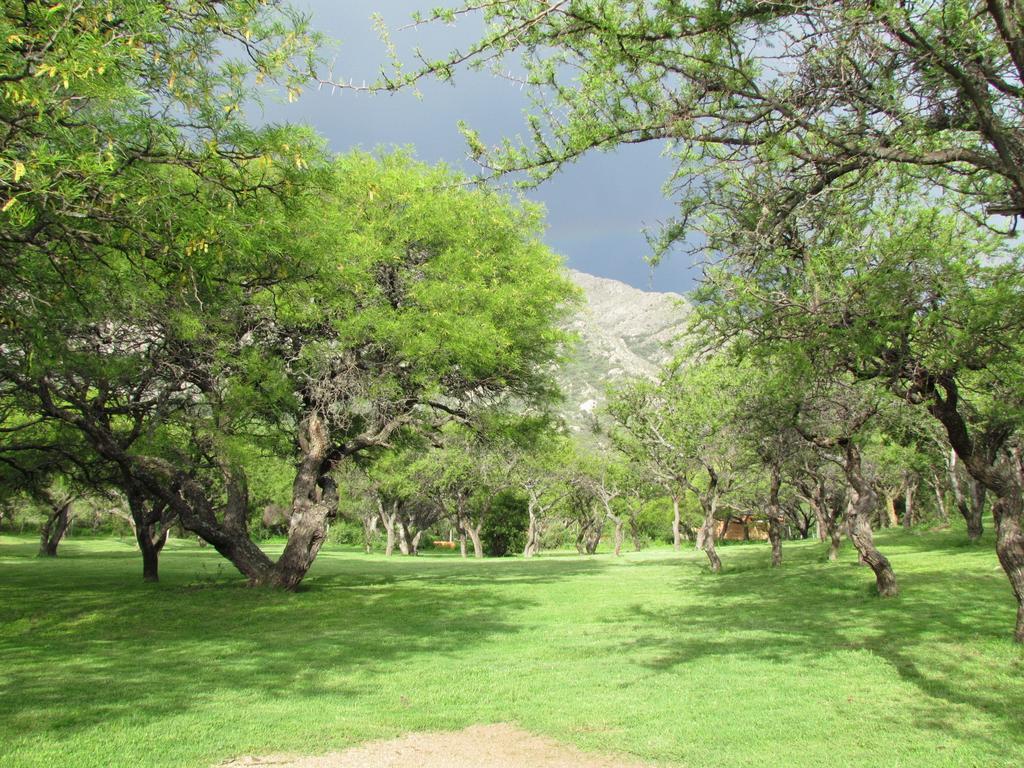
{"x":369,"y":532}
{"x":462,"y":542}
{"x":389,"y":521}
{"x":908,"y":504}
{"x":775,"y":516}
{"x":677,"y":537}
{"x":775,"y":536}
{"x":940,"y":500}
{"x":404,"y":539}
{"x":532,"y":534}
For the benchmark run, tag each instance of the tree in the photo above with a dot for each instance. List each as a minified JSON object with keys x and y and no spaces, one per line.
{"x":830,"y":89}
{"x":809,"y":101}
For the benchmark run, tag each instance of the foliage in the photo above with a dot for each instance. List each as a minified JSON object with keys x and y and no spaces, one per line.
{"x":504,"y":530}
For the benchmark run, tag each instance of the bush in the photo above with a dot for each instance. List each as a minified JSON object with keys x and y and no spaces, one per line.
{"x":504,"y":531}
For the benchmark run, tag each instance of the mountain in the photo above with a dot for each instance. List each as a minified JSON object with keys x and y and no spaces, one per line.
{"x":623,"y":332}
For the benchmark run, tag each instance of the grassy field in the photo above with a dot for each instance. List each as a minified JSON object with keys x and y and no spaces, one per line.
{"x":649,"y":655}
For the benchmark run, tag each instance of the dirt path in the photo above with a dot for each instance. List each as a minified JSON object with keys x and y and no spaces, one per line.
{"x":479,"y":746}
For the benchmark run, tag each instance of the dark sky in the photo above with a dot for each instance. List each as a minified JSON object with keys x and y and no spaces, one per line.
{"x":597,"y":209}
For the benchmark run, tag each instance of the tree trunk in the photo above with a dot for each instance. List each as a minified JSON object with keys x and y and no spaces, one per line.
{"x":54,"y":528}
{"x":312,"y":510}
{"x":706,"y":536}
{"x":369,"y":531}
{"x":908,"y":504}
{"x":414,"y":545}
{"x":462,"y":542}
{"x":775,"y":537}
{"x":890,"y":520}
{"x":677,"y":537}
{"x":835,"y":541}
{"x":532,"y":533}
{"x":972,"y":510}
{"x":1007,"y":513}
{"x":940,"y":500}
{"x":862,"y":501}
{"x":389,"y":521}
{"x":150,"y":544}
{"x":634,"y":532}
{"x":474,"y":535}
{"x":775,"y":515}
{"x":619,"y":523}
{"x":404,"y":539}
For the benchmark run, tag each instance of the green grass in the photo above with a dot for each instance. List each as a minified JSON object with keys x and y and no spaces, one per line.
{"x":650,"y":656}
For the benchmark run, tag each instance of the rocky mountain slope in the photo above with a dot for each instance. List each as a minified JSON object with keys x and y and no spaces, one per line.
{"x":623,"y":332}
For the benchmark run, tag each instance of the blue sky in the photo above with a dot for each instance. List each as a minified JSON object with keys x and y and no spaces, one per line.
{"x":597,"y":208}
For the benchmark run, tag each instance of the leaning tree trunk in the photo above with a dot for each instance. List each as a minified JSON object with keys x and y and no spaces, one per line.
{"x":863,"y":500}
{"x":54,"y":528}
{"x":314,"y":505}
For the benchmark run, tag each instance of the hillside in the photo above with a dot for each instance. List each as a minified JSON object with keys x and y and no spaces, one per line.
{"x":623,"y":332}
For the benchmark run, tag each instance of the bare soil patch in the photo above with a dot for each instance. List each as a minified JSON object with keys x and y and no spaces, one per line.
{"x":479,"y":746}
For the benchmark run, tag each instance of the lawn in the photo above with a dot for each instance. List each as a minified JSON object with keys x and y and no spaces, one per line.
{"x":649,"y":656}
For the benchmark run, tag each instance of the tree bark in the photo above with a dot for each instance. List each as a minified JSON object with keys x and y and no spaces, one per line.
{"x":890,"y":519}
{"x":369,"y":531}
{"x":940,"y":500}
{"x":634,"y":532}
{"x":972,"y":509}
{"x":775,"y":537}
{"x":835,"y":541}
{"x":474,"y":535}
{"x":532,"y":533}
{"x":677,"y":537}
{"x":54,"y":527}
{"x":619,"y":523}
{"x":775,"y":515}
{"x":863,"y":500}
{"x":389,"y":520}
{"x":908,"y":504}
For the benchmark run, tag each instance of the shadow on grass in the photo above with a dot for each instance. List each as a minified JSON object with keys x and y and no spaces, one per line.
{"x":808,"y":610}
{"x":83,"y":643}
